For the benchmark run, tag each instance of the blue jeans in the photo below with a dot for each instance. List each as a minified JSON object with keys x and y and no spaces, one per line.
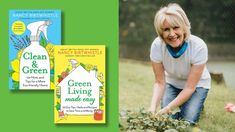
{"x":191,"y":109}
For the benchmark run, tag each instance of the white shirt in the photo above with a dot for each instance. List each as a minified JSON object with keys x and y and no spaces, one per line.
{"x":177,"y":69}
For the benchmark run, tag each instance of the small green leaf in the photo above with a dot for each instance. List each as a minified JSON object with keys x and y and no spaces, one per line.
{"x":15,"y":85}
{"x":83,"y":65}
{"x":43,"y":42}
{"x":57,"y":106}
{"x":10,"y":73}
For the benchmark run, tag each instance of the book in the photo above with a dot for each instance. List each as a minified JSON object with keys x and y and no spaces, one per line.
{"x":79,"y":96}
{"x":32,"y":37}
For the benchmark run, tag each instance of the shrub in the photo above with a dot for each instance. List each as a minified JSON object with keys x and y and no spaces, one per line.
{"x":151,"y":122}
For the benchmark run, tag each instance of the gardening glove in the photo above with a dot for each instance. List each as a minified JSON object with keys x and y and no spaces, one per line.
{"x":230,"y":107}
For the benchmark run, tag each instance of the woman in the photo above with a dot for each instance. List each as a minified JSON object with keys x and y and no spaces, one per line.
{"x":179,"y":64}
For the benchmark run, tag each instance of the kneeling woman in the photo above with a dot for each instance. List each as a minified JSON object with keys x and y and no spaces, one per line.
{"x":179,"y":64}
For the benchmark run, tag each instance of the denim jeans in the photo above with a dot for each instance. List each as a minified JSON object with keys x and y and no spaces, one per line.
{"x":191,"y":109}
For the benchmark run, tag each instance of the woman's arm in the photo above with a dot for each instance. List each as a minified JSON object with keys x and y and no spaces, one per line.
{"x":190,"y":87}
{"x":159,"y":85}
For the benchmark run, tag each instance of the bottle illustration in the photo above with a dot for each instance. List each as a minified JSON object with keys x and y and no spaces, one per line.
{"x":34,"y":61}
{"x":73,"y":63}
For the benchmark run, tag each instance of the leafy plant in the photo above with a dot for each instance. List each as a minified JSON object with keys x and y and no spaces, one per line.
{"x":151,"y":122}
{"x":57,"y":106}
{"x":15,"y":85}
{"x":19,"y":42}
{"x":43,"y":42}
{"x":10,"y":73}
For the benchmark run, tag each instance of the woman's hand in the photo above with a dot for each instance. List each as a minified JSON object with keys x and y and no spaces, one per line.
{"x":165,"y":110}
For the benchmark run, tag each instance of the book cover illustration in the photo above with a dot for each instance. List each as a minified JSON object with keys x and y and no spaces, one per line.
{"x":79,"y":96}
{"x":32,"y":36}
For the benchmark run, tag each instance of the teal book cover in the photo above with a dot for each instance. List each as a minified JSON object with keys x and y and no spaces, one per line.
{"x":32,"y":37}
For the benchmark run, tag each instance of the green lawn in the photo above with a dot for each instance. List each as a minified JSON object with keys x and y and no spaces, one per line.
{"x":135,"y":91}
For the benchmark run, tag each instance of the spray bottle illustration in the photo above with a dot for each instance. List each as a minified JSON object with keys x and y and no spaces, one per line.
{"x":34,"y":61}
{"x":73,"y":63}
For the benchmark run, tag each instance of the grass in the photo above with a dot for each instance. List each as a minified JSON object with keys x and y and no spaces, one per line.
{"x":135,"y":91}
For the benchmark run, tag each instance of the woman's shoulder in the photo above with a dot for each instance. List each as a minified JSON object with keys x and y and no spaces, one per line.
{"x":195,"y":38}
{"x":157,"y":41}
{"x":196,"y":41}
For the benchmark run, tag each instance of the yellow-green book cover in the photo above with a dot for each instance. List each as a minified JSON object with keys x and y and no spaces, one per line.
{"x":79,"y":96}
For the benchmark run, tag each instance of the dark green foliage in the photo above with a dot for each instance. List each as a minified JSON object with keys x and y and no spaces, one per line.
{"x":212,"y":20}
{"x":43,"y":42}
{"x":147,"y":121}
{"x":10,"y":73}
{"x":19,"y":42}
{"x":83,"y":65}
{"x":52,"y":75}
{"x":57,"y":106}
{"x":15,"y":85}
{"x":52,"y":78}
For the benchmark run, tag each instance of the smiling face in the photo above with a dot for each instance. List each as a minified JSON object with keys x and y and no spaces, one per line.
{"x":172,"y":25}
{"x":172,"y":35}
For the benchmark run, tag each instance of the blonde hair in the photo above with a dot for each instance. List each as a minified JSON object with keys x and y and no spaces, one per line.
{"x":175,"y":16}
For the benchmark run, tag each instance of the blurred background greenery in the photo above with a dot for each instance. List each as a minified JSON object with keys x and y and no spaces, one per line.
{"x":212,"y":20}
